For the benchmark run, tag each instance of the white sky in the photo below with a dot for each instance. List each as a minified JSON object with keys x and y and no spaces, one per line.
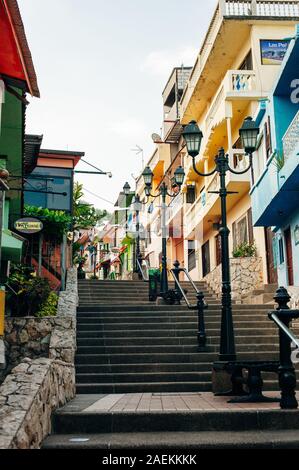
{"x":102,"y":66}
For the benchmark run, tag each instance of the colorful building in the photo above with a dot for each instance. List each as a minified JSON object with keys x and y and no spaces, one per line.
{"x":275,"y":193}
{"x":228,"y":81}
{"x":17,"y":78}
{"x":49,"y":184}
{"x":167,"y":156}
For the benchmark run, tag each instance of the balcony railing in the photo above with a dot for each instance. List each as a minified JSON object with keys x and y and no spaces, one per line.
{"x":291,"y":138}
{"x":170,"y":118}
{"x":260,"y":8}
{"x":236,"y":84}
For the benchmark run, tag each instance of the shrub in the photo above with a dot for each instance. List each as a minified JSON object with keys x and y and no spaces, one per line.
{"x":245,"y":250}
{"x":49,"y":308}
{"x":27,"y":291}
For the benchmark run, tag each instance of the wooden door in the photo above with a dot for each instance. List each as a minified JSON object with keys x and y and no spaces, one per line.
{"x":271,"y":270}
{"x":206,"y":267}
{"x":289,"y":253}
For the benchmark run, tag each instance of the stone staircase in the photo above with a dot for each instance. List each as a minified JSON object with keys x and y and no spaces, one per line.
{"x":127,"y":344}
{"x":135,"y":352}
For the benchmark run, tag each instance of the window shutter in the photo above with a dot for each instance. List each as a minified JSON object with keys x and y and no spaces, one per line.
{"x":234,"y":235}
{"x":250,"y":226}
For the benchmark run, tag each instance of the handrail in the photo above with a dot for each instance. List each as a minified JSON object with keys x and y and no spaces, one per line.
{"x":145,"y":278}
{"x":200,"y":305}
{"x":283,"y":316}
{"x":285,"y":329}
{"x":191,"y":307}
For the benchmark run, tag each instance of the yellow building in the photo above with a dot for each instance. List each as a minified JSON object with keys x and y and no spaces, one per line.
{"x":163,"y":163}
{"x":234,"y":71}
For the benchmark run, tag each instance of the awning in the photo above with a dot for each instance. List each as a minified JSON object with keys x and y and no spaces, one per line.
{"x":12,"y":246}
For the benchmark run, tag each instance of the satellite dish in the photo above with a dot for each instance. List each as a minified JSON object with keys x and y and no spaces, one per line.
{"x":156,"y":138}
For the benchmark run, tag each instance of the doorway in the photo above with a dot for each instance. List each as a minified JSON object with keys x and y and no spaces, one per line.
{"x":289,"y":256}
{"x":206,"y":266}
{"x":271,"y":270}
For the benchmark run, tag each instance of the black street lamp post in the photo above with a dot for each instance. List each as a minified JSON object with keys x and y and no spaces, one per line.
{"x":179,"y":176}
{"x":193,"y":137}
{"x":138,"y":256}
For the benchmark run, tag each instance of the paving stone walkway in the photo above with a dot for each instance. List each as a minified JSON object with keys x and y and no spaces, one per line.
{"x":147,"y":402}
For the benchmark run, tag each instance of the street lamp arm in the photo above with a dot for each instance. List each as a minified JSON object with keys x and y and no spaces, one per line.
{"x":202,"y":174}
{"x":173,"y":196}
{"x":243,"y":171}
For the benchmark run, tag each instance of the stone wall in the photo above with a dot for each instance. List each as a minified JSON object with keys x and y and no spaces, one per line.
{"x":53,"y":337}
{"x":28,"y":397}
{"x":44,"y":377}
{"x":246,"y":275}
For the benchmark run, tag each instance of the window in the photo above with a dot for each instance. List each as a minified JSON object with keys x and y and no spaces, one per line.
{"x":191,"y":255}
{"x":190,"y":196}
{"x":281,"y":250}
{"x":243,"y":230}
{"x":247,"y":62}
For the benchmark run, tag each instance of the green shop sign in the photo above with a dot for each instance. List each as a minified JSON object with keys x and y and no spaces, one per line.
{"x":28,"y":225}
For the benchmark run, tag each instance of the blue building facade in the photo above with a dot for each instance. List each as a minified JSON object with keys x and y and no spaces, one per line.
{"x":275,"y":192}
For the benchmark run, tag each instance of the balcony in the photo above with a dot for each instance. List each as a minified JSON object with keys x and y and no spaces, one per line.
{"x":207,"y":205}
{"x":238,"y":85}
{"x":230,"y":16}
{"x":275,"y":196}
{"x":174,"y":207}
{"x":170,"y":119}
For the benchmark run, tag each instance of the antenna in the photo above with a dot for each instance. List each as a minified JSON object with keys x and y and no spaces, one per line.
{"x":139,"y":151}
{"x":156,"y":138}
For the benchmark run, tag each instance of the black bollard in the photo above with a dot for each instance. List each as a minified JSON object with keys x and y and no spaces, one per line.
{"x":176,"y":271}
{"x":286,"y":371}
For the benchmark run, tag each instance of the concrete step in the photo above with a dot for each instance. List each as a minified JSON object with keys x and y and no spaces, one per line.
{"x":143,"y":387}
{"x":146,"y":377}
{"x":140,"y":368}
{"x":199,"y":440}
{"x":196,"y":421}
{"x":162,"y":358}
{"x":122,"y":335}
{"x":166,"y":341}
{"x":153,"y":326}
{"x":153,"y":307}
{"x":158,"y":387}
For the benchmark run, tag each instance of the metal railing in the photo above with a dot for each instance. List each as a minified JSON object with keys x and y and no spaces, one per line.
{"x":200,"y":306}
{"x":145,"y":275}
{"x":285,"y":329}
{"x":282,"y":317}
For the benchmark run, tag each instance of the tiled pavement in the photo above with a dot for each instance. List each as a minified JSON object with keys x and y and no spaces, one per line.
{"x":147,"y":402}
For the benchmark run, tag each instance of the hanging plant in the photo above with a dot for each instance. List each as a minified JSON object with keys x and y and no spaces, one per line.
{"x":56,"y":223}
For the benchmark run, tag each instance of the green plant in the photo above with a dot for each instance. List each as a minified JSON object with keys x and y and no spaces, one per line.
{"x":49,"y":308}
{"x":278,"y":160}
{"x":56,"y":223}
{"x":27,"y":291}
{"x":245,"y":250}
{"x":84,"y":215}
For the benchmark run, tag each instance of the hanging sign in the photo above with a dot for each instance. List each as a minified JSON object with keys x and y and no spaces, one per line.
{"x":28,"y":225}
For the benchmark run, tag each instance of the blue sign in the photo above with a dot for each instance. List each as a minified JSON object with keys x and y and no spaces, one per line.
{"x":273,"y":51}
